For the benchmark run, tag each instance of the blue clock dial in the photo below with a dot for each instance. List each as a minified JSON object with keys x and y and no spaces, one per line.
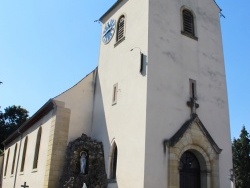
{"x":108,"y":32}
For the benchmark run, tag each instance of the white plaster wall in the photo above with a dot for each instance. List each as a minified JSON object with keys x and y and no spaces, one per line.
{"x":1,"y":168}
{"x":124,"y":122}
{"x":79,"y":99}
{"x":8,"y":180}
{"x":173,"y":60}
{"x":34,"y":178}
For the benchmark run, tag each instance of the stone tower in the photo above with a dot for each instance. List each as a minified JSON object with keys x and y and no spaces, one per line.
{"x":160,"y":105}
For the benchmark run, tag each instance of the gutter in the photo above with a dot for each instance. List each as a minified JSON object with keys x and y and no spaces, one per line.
{"x":46,"y":108}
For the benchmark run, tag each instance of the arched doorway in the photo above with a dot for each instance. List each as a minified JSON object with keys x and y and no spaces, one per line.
{"x":189,"y":168}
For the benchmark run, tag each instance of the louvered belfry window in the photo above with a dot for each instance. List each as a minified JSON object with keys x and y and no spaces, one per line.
{"x":188,"y":22}
{"x":120,"y":28}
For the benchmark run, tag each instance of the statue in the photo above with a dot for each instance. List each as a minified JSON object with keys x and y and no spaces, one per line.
{"x":83,"y":162}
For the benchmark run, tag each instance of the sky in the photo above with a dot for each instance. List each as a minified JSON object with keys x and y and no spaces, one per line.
{"x":48,"y":46}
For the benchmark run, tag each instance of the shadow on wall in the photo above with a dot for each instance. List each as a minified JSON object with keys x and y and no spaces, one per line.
{"x":100,"y":132}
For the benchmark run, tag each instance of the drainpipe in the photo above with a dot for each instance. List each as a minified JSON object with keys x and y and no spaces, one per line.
{"x":18,"y":157}
{"x":232,"y":178}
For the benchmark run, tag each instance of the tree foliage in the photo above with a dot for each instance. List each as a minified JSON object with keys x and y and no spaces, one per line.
{"x":241,"y":159}
{"x":12,"y":118}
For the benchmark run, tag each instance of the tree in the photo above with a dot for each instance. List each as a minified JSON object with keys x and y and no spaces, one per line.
{"x":12,"y":118}
{"x":241,"y":159}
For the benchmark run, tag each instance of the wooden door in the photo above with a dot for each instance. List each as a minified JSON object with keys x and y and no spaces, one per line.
{"x":189,"y":171}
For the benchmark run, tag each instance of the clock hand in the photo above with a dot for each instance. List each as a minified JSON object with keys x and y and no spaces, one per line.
{"x":107,"y":31}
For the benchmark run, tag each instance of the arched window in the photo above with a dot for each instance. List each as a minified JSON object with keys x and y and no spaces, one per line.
{"x":188,"y":23}
{"x":38,"y":139}
{"x":189,"y":167}
{"x":120,"y":28}
{"x":24,"y":154}
{"x":7,"y":160}
{"x":14,"y":160}
{"x":113,"y":162}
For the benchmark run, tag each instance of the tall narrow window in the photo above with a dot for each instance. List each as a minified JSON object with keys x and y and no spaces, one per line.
{"x":114,"y":96}
{"x":142,"y":63}
{"x":24,"y":154}
{"x":120,"y":28}
{"x":14,"y":160}
{"x":193,"y":92}
{"x":113,"y":162}
{"x":188,"y":21}
{"x":7,"y":160}
{"x":38,"y":139}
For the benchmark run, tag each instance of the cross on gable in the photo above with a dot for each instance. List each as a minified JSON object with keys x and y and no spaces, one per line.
{"x":24,"y":186}
{"x":193,"y":105}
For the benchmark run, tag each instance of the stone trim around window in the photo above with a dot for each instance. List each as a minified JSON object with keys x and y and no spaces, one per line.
{"x":189,"y":35}
{"x":119,"y":41}
{"x":188,"y":23}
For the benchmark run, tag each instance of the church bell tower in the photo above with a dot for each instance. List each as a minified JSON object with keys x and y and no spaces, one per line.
{"x":161,"y":107}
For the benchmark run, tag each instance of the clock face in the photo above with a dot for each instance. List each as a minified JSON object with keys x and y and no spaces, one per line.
{"x":108,"y":31}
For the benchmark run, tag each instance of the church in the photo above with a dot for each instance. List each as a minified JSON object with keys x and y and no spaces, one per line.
{"x":157,"y":102}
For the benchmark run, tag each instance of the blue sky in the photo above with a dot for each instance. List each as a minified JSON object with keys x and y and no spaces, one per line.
{"x":48,"y":46}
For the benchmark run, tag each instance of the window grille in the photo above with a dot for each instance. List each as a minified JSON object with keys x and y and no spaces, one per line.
{"x":120,"y":28}
{"x":188,"y":22}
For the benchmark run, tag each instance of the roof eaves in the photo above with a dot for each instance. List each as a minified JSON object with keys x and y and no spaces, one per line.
{"x":47,"y":107}
{"x":110,"y":9}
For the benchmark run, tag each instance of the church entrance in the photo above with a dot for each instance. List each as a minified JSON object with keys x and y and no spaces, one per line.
{"x":189,"y":167}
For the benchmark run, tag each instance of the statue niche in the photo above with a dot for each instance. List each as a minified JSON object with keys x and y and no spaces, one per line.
{"x":84,"y":164}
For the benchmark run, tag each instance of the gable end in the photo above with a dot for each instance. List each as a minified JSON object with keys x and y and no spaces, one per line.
{"x":179,"y":134}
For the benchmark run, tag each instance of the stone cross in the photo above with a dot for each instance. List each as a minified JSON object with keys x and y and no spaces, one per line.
{"x":193,"y":105}
{"x":24,"y":186}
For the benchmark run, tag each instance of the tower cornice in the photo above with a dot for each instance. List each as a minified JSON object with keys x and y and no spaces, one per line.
{"x":110,"y":9}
